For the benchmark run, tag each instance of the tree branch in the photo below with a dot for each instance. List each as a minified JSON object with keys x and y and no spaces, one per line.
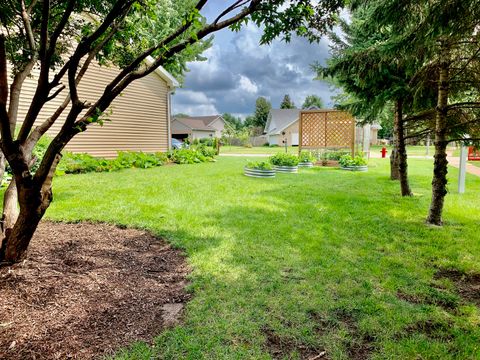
{"x":40,"y":130}
{"x":27,"y":25}
{"x":134,"y":64}
{"x":55,"y":94}
{"x":4,"y":120}
{"x":211,"y":28}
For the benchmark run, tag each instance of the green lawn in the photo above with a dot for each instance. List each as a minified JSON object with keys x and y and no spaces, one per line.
{"x":411,"y":150}
{"x":320,"y":260}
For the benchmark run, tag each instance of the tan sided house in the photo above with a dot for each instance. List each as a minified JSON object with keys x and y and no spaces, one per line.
{"x":283,"y":126}
{"x":138,"y":120}
{"x":198,"y":127}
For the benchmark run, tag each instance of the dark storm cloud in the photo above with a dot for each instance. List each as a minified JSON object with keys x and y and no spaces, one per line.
{"x":238,"y":71}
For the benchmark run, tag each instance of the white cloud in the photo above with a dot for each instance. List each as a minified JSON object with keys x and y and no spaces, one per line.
{"x":248,"y":85}
{"x":194,"y":103}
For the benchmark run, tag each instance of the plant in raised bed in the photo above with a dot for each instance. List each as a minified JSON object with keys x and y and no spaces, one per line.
{"x":285,"y":162}
{"x":357,"y":163}
{"x":306,"y":159}
{"x":261,"y":169}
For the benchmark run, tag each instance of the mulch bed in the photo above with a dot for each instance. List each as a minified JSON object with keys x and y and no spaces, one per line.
{"x":87,"y":290}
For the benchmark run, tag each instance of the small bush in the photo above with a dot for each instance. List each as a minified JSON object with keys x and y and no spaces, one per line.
{"x":261,"y":165}
{"x":348,"y":160}
{"x":84,"y":163}
{"x":191,"y":156}
{"x":206,"y":141}
{"x":206,"y":151}
{"x":81,"y":163}
{"x":306,"y":156}
{"x":282,"y":159}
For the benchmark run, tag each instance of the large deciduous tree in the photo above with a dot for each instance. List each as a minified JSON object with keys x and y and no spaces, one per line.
{"x":313,"y":101}
{"x":262,"y":109}
{"x":62,"y":38}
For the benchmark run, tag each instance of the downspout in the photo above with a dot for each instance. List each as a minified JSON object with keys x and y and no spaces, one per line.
{"x":169,"y":119}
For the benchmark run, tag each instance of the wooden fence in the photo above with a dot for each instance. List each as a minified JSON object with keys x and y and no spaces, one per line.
{"x":327,"y":129}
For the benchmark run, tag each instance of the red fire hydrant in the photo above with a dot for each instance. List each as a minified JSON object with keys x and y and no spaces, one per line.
{"x":384,"y":152}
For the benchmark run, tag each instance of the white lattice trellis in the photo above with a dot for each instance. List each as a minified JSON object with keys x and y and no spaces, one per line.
{"x":326,"y":129}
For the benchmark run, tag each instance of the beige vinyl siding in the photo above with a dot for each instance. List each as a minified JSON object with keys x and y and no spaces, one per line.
{"x":289,"y":134}
{"x":138,"y":118}
{"x":202,"y":134}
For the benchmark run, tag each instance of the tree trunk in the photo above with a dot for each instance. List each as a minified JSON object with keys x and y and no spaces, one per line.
{"x":10,"y":207}
{"x":440,"y":168}
{"x":34,"y":200}
{"x":3,"y":163}
{"x":18,"y":238}
{"x":394,"y":168}
{"x":401,"y":149}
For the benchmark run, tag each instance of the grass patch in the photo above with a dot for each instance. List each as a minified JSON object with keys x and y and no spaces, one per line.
{"x":257,"y":150}
{"x":413,"y":150}
{"x":304,"y":262}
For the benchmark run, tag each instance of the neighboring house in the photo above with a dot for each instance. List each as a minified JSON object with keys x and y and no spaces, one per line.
{"x":361,"y":132}
{"x":138,"y":120}
{"x":283,"y":125}
{"x":197,"y":127}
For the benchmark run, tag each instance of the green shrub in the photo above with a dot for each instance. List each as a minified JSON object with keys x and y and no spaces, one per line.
{"x":348,"y":160}
{"x":260,"y":165}
{"x":190,"y":156}
{"x":206,"y":151}
{"x":306,"y":156}
{"x":283,"y":159}
{"x":141,"y":160}
{"x":83,"y":163}
{"x":335,"y":155}
{"x":206,"y":141}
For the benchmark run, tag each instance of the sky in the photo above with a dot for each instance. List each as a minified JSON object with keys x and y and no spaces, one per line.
{"x":239,"y":70}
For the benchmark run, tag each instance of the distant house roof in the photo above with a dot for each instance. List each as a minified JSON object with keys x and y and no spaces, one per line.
{"x":199,"y":122}
{"x":280,"y":119}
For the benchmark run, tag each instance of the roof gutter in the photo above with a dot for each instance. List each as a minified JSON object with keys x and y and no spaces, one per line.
{"x":164,"y":74}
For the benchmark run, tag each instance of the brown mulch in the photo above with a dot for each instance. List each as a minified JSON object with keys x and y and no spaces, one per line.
{"x":87,"y":290}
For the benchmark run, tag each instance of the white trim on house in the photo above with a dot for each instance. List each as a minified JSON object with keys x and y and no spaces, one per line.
{"x":164,"y":74}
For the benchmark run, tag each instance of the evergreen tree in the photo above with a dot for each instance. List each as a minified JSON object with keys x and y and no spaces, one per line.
{"x":444,"y":36}
{"x":287,"y":103}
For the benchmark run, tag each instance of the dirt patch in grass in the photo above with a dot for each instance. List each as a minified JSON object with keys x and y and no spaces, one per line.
{"x":359,"y":346}
{"x":432,"y":329}
{"x":434,"y":296}
{"x":467,"y":285}
{"x":87,"y":290}
{"x":283,"y":348}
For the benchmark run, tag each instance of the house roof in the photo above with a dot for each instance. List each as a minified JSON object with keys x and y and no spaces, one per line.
{"x":280,"y":119}
{"x":198,"y":122}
